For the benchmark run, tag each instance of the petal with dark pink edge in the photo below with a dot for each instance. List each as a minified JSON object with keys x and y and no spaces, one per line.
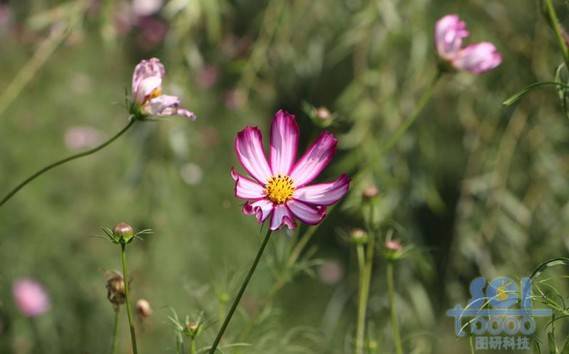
{"x":323,"y":193}
{"x":314,"y":160}
{"x":249,"y":148}
{"x":260,"y":208}
{"x":284,"y":142}
{"x":282,"y":216}
{"x":308,"y":214}
{"x":246,"y":188}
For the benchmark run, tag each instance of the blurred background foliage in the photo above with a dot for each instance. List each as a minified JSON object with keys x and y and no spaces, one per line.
{"x":479,"y":189}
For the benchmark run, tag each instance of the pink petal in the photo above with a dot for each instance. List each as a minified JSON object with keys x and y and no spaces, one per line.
{"x":324,"y":193}
{"x":260,"y":208}
{"x":449,"y":32}
{"x":308,"y":214}
{"x":284,"y":142}
{"x":314,"y":160}
{"x":147,"y":76}
{"x":281,"y":216}
{"x":249,"y":148}
{"x":246,"y":188}
{"x":165,"y":105}
{"x":478,"y":58}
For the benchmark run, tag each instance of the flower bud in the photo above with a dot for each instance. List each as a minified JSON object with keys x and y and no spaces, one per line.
{"x":143,"y":308}
{"x":393,"y":250}
{"x":359,"y":236}
{"x":116,"y":289}
{"x":370,"y":192}
{"x":123,"y":232}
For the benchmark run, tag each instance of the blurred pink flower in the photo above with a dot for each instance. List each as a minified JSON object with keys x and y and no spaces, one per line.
{"x":207,"y":76}
{"x":152,"y":32}
{"x":30,"y":297}
{"x":331,"y":272}
{"x":78,"y":138}
{"x":279,"y":188}
{"x":147,"y":92}
{"x":234,"y":99}
{"x":476,"y":58}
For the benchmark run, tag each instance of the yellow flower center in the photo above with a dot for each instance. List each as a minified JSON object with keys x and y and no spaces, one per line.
{"x":279,"y":189}
{"x":155,"y":93}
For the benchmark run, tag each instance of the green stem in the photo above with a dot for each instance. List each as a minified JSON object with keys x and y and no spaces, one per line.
{"x":192,"y":347}
{"x":425,"y":98}
{"x":558,"y":30}
{"x":127,"y":300}
{"x":472,"y":351}
{"x":366,"y":268}
{"x":67,"y":159}
{"x":394,"y":321}
{"x":240,"y":293}
{"x":115,"y":331}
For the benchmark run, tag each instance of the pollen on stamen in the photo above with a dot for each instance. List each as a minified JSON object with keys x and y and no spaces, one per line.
{"x":279,"y":189}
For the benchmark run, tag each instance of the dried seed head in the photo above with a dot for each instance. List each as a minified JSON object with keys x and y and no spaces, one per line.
{"x":143,"y":308}
{"x":116,"y":289}
{"x":123,"y":232}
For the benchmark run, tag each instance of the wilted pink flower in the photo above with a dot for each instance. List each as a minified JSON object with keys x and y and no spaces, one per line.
{"x":279,"y":188}
{"x":476,"y":58}
{"x":78,"y":138}
{"x":30,"y":297}
{"x":147,"y":92}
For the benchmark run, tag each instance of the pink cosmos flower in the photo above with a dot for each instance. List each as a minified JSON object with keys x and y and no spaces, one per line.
{"x":476,"y":58}
{"x":30,"y":297}
{"x":280,"y":190}
{"x":147,"y":92}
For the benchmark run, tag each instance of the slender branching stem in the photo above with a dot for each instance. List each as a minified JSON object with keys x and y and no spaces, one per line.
{"x":425,"y":98}
{"x":16,"y":189}
{"x":393,"y":307}
{"x":240,"y":293}
{"x":127,"y":299}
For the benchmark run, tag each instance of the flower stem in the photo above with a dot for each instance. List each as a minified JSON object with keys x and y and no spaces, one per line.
{"x":240,"y":293}
{"x":366,"y":267}
{"x":558,"y":30}
{"x":65,"y":160}
{"x":115,"y":331}
{"x":394,"y":321}
{"x":425,"y":98}
{"x":127,"y":300}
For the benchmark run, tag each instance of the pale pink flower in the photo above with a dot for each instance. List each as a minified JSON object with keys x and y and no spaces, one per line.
{"x":147,"y":92}
{"x":146,"y":7}
{"x":476,"y":58}
{"x":279,"y":190}
{"x":79,"y":138}
{"x":30,"y":297}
